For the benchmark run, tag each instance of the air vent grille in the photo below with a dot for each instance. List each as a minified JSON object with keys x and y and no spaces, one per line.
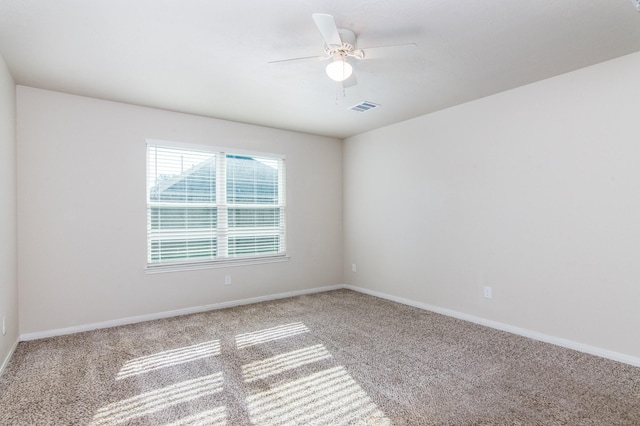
{"x":364,"y":106}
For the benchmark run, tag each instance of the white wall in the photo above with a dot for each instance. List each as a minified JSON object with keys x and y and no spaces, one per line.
{"x":82,"y":220}
{"x":534,"y":192}
{"x":8,"y":244}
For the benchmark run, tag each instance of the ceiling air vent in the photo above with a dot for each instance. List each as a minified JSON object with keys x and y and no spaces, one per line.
{"x":364,"y":106}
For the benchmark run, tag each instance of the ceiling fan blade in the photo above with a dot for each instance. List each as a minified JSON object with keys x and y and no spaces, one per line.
{"x":327,"y":26}
{"x":385,"y":51}
{"x":304,"y":58}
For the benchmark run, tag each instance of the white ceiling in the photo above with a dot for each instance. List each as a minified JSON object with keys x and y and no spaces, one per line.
{"x":210,"y":57}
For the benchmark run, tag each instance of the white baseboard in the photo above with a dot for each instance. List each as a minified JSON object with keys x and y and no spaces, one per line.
{"x":616,"y":356}
{"x":168,"y":314}
{"x":592,"y":350}
{"x":8,"y":357}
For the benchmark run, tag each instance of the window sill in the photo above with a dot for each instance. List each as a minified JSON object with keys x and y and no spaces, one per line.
{"x":179,"y":267}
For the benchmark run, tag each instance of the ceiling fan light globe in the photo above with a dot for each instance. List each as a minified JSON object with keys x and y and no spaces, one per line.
{"x":339,"y":70}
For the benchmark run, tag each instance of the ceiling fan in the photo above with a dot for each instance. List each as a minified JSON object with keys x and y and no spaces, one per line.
{"x":340,"y":44}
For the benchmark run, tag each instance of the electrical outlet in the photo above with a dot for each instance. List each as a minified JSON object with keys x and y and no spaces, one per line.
{"x":353,"y":267}
{"x":488,"y":294}
{"x":227,"y":280}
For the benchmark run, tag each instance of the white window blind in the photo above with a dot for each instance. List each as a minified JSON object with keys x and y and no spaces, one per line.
{"x":208,"y":206}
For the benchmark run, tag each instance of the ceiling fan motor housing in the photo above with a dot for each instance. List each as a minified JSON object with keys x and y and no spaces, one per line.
{"x":348,"y":47}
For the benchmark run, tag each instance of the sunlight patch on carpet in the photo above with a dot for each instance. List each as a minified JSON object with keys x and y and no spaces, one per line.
{"x":157,"y":400}
{"x":280,"y":363}
{"x":328,"y":397}
{"x":270,"y":334}
{"x":169,"y":358}
{"x":215,"y":417}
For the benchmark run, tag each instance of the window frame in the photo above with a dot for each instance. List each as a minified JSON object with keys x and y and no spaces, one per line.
{"x":223,"y":232}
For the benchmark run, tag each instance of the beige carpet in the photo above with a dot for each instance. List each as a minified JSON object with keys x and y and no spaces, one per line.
{"x":332,"y":358}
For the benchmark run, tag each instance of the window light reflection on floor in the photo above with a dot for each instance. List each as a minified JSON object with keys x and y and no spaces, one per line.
{"x":215,"y":417}
{"x":280,"y":363}
{"x":157,"y":400}
{"x":290,"y":391}
{"x":328,"y":397}
{"x":169,"y":358}
{"x":270,"y":334}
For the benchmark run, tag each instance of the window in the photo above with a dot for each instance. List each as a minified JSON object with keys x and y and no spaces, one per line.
{"x":206,"y":206}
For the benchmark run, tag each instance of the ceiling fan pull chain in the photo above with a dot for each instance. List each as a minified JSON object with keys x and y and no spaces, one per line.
{"x":344,"y":92}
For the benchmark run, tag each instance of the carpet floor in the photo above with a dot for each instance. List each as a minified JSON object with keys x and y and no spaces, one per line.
{"x":334,"y":358}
